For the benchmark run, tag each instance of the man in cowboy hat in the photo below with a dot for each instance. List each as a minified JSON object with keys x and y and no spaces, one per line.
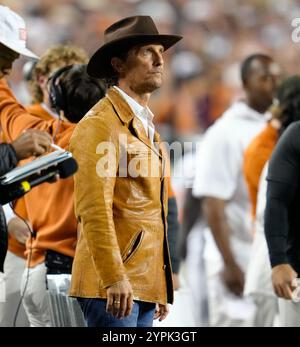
{"x":121,"y":272}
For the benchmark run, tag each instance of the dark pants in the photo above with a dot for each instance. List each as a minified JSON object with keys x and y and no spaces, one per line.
{"x":95,"y":314}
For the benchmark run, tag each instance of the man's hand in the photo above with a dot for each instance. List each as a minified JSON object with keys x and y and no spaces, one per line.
{"x":283,"y":277}
{"x":234,"y":278}
{"x":32,"y":143}
{"x":161,"y":312}
{"x":120,"y":299}
{"x":214,"y":212}
{"x":18,"y":229}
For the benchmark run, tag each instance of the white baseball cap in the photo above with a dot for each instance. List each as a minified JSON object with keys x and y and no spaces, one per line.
{"x":13,"y":32}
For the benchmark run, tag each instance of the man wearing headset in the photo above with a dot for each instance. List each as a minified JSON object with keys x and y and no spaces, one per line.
{"x":55,"y":225}
{"x":54,"y":58}
{"x":31,"y":142}
{"x":72,"y":92}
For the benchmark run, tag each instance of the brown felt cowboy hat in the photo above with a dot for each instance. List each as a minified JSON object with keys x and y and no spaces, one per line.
{"x":123,"y":34}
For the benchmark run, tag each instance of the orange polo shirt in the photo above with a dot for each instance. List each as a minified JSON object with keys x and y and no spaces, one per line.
{"x":256,"y":155}
{"x":14,"y":245}
{"x":38,"y":111}
{"x":49,"y":206}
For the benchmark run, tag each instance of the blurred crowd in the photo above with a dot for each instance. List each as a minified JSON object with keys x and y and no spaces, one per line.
{"x":202,"y":81}
{"x":204,"y":69}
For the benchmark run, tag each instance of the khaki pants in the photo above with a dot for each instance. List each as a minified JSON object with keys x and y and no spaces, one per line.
{"x":289,"y":313}
{"x":35,"y":296}
{"x":13,"y":267}
{"x":267,"y":310}
{"x":226,"y":309}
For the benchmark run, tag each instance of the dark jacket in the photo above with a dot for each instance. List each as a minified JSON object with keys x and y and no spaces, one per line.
{"x":173,"y":229}
{"x":8,"y":160}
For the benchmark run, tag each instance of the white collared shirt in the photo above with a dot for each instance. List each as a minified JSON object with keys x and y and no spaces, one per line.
{"x":219,"y":170}
{"x":143,"y":113}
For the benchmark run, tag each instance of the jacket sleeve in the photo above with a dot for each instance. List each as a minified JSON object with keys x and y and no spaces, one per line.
{"x":15,"y":119}
{"x":8,"y":158}
{"x":3,"y":239}
{"x":173,"y":229}
{"x":283,"y":185}
{"x":192,"y":212}
{"x":94,"y":193}
{"x":279,"y":197}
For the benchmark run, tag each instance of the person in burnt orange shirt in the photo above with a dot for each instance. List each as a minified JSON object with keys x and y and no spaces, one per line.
{"x":54,"y":58}
{"x":50,"y":207}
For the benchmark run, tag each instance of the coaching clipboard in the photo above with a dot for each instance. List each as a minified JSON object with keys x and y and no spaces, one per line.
{"x":35,"y":166}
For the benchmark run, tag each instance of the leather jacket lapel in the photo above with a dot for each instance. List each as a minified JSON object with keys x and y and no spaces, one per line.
{"x":140,"y":133}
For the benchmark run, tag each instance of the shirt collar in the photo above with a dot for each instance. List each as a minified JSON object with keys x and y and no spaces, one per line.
{"x":241,"y":109}
{"x":137,"y":109}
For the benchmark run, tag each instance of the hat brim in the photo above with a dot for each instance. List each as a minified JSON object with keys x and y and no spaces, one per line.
{"x":99,"y":65}
{"x":19,"y":49}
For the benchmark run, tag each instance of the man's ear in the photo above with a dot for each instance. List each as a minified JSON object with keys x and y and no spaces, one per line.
{"x":117,"y":64}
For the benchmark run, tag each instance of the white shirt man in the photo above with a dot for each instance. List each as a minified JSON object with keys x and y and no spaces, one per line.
{"x":220,"y":176}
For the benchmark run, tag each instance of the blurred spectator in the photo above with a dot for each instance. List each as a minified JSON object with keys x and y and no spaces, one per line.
{"x":219,"y":33}
{"x":220,"y":184}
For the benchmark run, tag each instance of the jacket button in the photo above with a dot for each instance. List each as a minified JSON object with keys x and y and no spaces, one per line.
{"x":164,"y":267}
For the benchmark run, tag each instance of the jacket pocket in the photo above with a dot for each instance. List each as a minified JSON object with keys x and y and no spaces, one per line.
{"x":132,"y":247}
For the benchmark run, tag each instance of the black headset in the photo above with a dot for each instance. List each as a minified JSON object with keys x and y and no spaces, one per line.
{"x":57,"y":95}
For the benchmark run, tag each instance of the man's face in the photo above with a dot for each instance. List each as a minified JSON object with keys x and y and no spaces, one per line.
{"x":143,"y":69}
{"x":263,"y":81}
{"x":7,"y":57}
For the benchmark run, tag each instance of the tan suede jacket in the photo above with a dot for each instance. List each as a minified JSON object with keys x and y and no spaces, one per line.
{"x":121,"y":205}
